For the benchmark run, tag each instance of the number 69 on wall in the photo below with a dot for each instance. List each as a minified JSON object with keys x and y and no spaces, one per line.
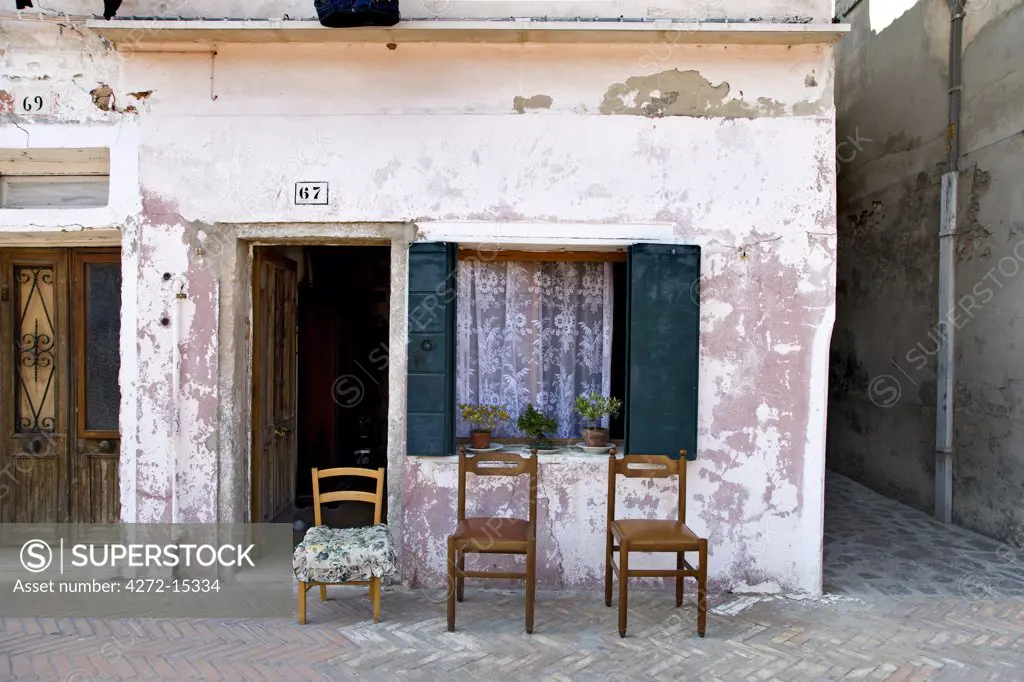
{"x":29,"y":104}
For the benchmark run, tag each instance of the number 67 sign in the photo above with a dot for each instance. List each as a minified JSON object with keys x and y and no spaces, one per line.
{"x":311,"y":193}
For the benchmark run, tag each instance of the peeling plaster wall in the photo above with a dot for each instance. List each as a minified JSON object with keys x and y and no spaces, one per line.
{"x":436,"y":138}
{"x":892,"y":92}
{"x":484,"y":143}
{"x":60,"y":67}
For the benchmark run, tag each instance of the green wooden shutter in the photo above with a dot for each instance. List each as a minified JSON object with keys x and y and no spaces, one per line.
{"x":663,"y":309}
{"x":430,"y":414}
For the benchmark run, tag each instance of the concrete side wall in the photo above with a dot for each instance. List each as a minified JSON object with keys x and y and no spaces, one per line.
{"x":729,"y":148}
{"x":891,"y":119}
{"x":892,"y":87}
{"x":988,"y":482}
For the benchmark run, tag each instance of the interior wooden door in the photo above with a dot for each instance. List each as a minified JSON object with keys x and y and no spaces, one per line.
{"x":96,"y":334}
{"x":275,"y":299}
{"x":35,"y":418}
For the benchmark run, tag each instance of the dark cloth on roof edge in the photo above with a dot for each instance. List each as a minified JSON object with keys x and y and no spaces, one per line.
{"x":110,"y":8}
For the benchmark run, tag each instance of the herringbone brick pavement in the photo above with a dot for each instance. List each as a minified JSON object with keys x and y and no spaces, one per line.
{"x":575,"y":638}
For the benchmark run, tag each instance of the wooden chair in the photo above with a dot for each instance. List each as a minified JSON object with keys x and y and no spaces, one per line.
{"x":493,"y":535}
{"x":653,"y":535}
{"x":344,"y":535}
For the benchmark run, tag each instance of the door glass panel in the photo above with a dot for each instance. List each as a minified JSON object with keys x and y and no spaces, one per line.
{"x":35,"y":349}
{"x":102,"y":345}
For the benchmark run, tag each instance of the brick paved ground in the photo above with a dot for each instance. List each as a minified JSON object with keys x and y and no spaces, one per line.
{"x":878,"y":638}
{"x":965,"y":632}
{"x":874,"y":545}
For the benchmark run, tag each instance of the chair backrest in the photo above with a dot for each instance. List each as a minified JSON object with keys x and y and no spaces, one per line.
{"x":374,"y":498}
{"x":646,"y":466}
{"x":497,"y":464}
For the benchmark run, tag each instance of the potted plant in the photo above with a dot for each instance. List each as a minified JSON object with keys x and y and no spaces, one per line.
{"x":594,"y":407}
{"x":483,"y":420}
{"x":536,"y":424}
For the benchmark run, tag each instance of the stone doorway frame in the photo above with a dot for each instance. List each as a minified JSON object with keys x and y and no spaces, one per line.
{"x":236,"y":349}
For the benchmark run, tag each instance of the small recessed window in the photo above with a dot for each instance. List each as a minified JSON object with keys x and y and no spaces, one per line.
{"x":54,"y":191}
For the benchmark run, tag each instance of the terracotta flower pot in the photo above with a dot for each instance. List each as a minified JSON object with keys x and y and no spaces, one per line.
{"x":595,"y":438}
{"x":481,"y":440}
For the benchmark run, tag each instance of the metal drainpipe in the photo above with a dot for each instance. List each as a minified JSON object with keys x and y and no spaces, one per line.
{"x":947,"y":278}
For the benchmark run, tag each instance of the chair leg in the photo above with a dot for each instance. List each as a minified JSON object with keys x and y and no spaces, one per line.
{"x":460,"y":580}
{"x":375,"y":595}
{"x":302,"y":603}
{"x":679,"y":579}
{"x":623,"y":585}
{"x":608,"y":558}
{"x":451,"y":584}
{"x":702,"y":589}
{"x":323,"y":593}
{"x":531,"y":584}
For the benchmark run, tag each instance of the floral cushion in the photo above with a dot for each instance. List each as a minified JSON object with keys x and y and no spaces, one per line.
{"x":340,"y":555}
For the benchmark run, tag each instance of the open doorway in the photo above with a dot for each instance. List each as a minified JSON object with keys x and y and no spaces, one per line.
{"x":320,"y":390}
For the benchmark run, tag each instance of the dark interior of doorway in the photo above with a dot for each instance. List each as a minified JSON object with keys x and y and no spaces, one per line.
{"x":342,"y":392}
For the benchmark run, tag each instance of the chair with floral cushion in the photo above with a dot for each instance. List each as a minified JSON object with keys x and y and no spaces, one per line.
{"x":345,"y":556}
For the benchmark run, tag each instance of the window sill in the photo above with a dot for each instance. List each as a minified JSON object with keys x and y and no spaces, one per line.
{"x":562,"y":453}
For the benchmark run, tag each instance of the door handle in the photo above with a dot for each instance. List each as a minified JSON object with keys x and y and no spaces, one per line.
{"x":282,"y":431}
{"x":33,"y":447}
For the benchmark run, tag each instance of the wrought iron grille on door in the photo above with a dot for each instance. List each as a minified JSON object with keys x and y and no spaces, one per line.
{"x":36,"y":364}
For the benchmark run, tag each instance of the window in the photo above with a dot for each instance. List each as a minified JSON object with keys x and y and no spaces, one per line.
{"x":54,"y":177}
{"x":54,"y":191}
{"x":533,"y":331}
{"x":525,"y":327}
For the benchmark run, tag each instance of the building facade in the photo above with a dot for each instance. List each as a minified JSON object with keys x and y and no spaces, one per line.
{"x":251,"y":178}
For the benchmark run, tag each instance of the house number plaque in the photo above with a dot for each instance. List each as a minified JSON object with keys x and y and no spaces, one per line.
{"x":311,"y":193}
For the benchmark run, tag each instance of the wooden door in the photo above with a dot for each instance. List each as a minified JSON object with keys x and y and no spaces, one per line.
{"x":60,"y":315}
{"x":275,"y":298}
{"x":96,"y":316}
{"x":35,"y":418}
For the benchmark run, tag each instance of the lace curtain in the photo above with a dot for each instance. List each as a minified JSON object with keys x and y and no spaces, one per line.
{"x":533,"y":332}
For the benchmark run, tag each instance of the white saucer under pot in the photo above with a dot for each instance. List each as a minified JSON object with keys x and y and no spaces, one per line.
{"x":493,"y":447}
